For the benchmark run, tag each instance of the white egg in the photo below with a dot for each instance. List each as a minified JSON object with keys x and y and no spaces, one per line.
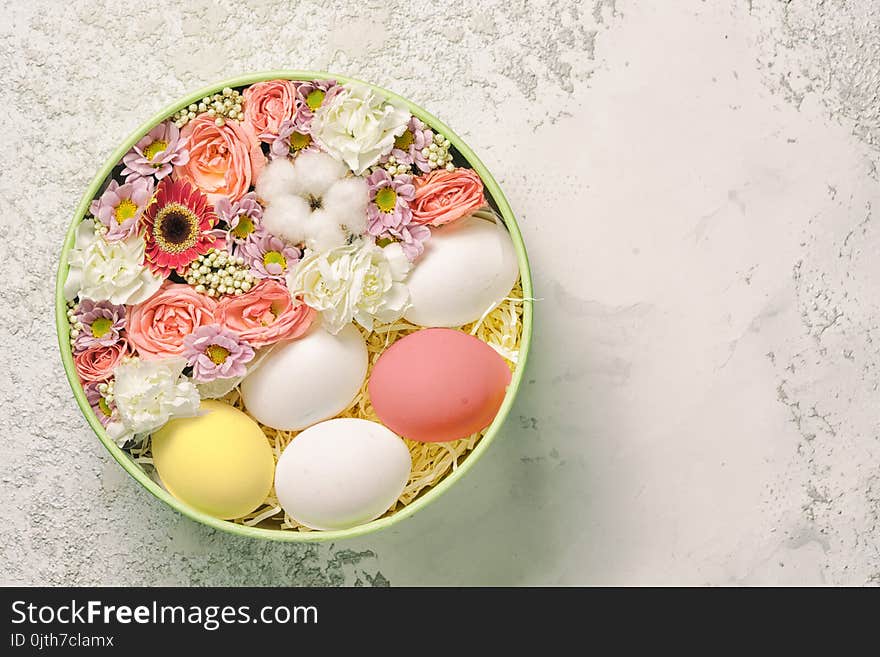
{"x":341,"y":473}
{"x":467,"y":268}
{"x":307,"y":380}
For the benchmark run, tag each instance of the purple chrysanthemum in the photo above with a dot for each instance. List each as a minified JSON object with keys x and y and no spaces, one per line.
{"x":243,"y":217}
{"x":156,"y":154}
{"x":120,"y":207}
{"x":290,"y":140}
{"x":215,"y":353}
{"x":102,"y":323}
{"x":104,"y":410}
{"x":389,"y":215}
{"x":309,"y":97}
{"x":267,"y":256}
{"x":412,"y":240}
{"x":389,"y":202}
{"x":408,"y":147}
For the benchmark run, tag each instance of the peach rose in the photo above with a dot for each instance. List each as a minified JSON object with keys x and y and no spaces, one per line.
{"x":223,"y":160}
{"x":267,"y":104}
{"x":157,"y":327}
{"x":97,"y":363}
{"x":443,"y":196}
{"x":264,"y":315}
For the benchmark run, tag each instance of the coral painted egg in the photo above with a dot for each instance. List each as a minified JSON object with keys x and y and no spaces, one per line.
{"x":467,"y":268}
{"x":218,"y":462}
{"x":307,"y":380}
{"x":341,"y":473}
{"x":437,"y":385}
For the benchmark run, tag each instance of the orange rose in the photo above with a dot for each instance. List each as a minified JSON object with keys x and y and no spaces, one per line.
{"x":264,"y":315}
{"x":267,"y":104}
{"x":97,"y":363}
{"x":223,"y":160}
{"x":158,"y":326}
{"x":443,"y":196}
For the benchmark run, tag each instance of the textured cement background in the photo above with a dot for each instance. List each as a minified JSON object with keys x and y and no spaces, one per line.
{"x":697,"y":183}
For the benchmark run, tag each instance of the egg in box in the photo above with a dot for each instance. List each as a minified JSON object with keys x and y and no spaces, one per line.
{"x":467,"y":268}
{"x":438,"y":384}
{"x":341,"y":473}
{"x":294,"y":300}
{"x":307,"y":380}
{"x":218,"y":462}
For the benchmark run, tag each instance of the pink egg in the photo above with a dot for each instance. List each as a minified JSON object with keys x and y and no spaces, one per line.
{"x":437,"y":385}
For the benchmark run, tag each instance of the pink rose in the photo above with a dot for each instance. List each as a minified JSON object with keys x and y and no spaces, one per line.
{"x":158,"y":326}
{"x":97,"y":363}
{"x":267,"y":104}
{"x":223,"y":160}
{"x":264,"y":315}
{"x":443,"y":196}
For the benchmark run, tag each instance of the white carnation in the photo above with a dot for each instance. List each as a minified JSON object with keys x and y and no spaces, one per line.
{"x":313,"y":201}
{"x":359,"y":281}
{"x":358,"y":126}
{"x":148,"y":393}
{"x":108,"y":271}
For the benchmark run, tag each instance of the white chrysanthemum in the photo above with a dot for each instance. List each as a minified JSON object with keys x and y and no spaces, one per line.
{"x":148,"y":393}
{"x":108,"y":271}
{"x":358,"y":126}
{"x":313,"y":201}
{"x":359,"y":281}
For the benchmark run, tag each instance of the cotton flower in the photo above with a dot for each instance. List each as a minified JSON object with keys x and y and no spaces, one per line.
{"x":108,"y":271}
{"x":148,"y":393}
{"x":358,"y":126}
{"x":359,"y":281}
{"x":313,"y":201}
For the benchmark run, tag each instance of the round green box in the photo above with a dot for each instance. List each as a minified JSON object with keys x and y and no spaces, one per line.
{"x":135,"y":470}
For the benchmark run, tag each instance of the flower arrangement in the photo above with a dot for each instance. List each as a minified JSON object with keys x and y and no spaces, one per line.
{"x":243,"y":223}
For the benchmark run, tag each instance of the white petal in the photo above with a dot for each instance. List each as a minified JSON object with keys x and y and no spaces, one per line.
{"x":148,"y":286}
{"x":396,"y":302}
{"x":323,"y":232}
{"x":400,"y":264}
{"x":316,"y":172}
{"x":347,"y":200}
{"x":286,"y":217}
{"x":73,"y":283}
{"x":276,"y":180}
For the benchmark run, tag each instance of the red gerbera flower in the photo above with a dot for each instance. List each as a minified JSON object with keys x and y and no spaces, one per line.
{"x":178,"y":227}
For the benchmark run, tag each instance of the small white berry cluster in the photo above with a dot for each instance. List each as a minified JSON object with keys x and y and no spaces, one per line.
{"x":438,"y":153}
{"x":222,"y":106}
{"x":107,"y":390}
{"x":395,"y":168}
{"x":75,"y":325}
{"x":217,"y":273}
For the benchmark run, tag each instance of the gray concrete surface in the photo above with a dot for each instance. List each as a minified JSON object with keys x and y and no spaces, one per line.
{"x":697,"y":183}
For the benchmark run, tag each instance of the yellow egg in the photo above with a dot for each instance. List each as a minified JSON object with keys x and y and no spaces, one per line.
{"x":218,"y":462}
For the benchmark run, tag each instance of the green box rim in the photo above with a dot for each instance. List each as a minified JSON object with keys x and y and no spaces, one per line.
{"x":154,"y":488}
